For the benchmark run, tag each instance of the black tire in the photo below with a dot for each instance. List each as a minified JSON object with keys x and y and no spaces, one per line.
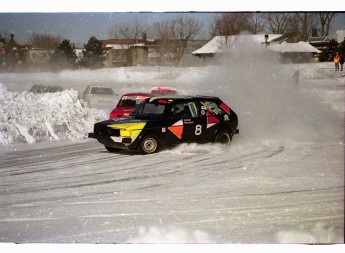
{"x":224,"y":137}
{"x":149,"y":144}
{"x":111,"y":149}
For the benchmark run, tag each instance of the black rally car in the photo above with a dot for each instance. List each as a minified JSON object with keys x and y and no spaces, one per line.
{"x":166,"y":121}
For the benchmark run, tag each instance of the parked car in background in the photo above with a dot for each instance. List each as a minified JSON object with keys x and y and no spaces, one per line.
{"x":44,"y":88}
{"x":161,"y":91}
{"x":167,"y":121}
{"x":99,"y":96}
{"x":127,"y":103}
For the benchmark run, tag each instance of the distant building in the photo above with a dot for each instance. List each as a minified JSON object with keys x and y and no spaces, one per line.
{"x":2,"y":51}
{"x":221,"y":44}
{"x":319,"y":42}
{"x":295,"y":52}
{"x":340,"y":36}
{"x":126,"y":52}
{"x":289,"y":52}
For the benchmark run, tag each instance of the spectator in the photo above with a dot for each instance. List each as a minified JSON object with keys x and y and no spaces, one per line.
{"x":341,"y":61}
{"x":336,"y":61}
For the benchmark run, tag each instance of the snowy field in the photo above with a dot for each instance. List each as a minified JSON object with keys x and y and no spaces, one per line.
{"x":280,"y":181}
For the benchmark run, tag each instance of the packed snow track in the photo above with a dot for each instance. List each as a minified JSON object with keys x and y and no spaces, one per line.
{"x":80,"y":193}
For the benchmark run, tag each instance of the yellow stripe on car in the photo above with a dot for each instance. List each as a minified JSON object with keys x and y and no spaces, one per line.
{"x":129,"y":129}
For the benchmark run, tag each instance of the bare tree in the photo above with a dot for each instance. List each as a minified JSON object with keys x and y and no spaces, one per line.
{"x":258,"y":23}
{"x":278,"y":23}
{"x":305,"y":24}
{"x":227,"y":24}
{"x":46,"y":45}
{"x":162,"y":31}
{"x":326,"y":20}
{"x":175,"y":34}
{"x":131,"y":31}
{"x":182,"y":31}
{"x":128,"y":30}
{"x":44,"y":41}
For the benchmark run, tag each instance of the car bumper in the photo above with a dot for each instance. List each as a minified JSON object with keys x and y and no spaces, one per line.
{"x":112,"y":141}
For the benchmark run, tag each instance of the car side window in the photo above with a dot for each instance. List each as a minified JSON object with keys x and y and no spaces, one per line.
{"x":184,"y":110}
{"x":212,"y":107}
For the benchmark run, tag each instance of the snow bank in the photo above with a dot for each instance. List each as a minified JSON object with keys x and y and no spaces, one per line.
{"x":170,"y":235}
{"x":30,"y":118}
{"x":321,"y":233}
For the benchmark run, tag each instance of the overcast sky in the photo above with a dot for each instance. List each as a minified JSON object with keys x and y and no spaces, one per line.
{"x":78,"y":22}
{"x":79,"y":27}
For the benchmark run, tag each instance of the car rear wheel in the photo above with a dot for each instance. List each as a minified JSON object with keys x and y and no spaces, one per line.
{"x":223,"y":137}
{"x":111,"y":149}
{"x":149,"y":144}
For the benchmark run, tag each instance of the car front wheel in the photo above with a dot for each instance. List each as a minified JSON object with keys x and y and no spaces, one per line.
{"x":223,"y":137}
{"x":149,"y":145}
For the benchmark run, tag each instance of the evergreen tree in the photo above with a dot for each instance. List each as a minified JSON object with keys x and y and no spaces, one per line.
{"x":93,"y":55}
{"x":328,"y":53}
{"x":64,"y":56}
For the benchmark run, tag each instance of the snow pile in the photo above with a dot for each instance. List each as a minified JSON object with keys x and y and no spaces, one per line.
{"x":320,"y":233}
{"x":170,"y":235}
{"x":28,"y":118}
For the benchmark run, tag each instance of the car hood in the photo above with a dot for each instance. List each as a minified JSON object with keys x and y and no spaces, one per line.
{"x":127,"y":127}
{"x":124,"y":123}
{"x":123,"y":110}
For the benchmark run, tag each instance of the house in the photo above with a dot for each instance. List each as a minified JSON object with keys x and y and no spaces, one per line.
{"x":289,"y":52}
{"x":222,"y":44}
{"x":143,"y":52}
{"x":319,"y":42}
{"x":126,"y":52}
{"x":299,"y":52}
{"x":124,"y":55}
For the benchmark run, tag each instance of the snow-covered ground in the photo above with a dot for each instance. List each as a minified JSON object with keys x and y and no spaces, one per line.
{"x":280,"y":181}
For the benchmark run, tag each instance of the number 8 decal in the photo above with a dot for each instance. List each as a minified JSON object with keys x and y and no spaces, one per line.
{"x":197,"y":129}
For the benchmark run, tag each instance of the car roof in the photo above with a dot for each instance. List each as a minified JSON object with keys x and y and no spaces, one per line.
{"x":45,"y":86}
{"x":138,"y":94}
{"x":163,"y":88}
{"x":185,"y":97}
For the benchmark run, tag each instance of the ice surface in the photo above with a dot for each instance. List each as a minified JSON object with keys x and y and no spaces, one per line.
{"x":280,"y":181}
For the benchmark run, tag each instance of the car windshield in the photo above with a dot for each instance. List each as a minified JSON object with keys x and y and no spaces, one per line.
{"x":38,"y":88}
{"x":164,"y":92}
{"x":55,"y":89}
{"x":102,"y":91}
{"x":149,"y":110}
{"x":130,"y":101}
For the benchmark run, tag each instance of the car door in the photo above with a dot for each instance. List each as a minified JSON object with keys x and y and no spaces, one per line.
{"x":212,"y":116}
{"x":186,"y":125}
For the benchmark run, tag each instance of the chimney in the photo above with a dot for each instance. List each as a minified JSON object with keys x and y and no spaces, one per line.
{"x":314,"y":32}
{"x":143,"y":36}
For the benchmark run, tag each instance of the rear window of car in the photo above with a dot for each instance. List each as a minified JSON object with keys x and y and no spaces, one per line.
{"x":55,"y":89}
{"x":130,"y":101}
{"x":102,"y":91}
{"x":212,"y":107}
{"x":164,"y":92}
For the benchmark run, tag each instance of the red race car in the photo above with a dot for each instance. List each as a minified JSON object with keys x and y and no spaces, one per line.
{"x":127,"y":103}
{"x":161,"y":91}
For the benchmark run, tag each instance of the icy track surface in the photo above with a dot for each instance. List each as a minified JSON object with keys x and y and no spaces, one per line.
{"x":280,"y":181}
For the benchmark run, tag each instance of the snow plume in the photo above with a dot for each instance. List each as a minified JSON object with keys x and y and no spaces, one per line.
{"x":270,"y":100}
{"x":193,"y":148}
{"x":29,"y":118}
{"x":170,"y":235}
{"x":320,"y":233}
